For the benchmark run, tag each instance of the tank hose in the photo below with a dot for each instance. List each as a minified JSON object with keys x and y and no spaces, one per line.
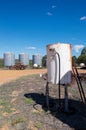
{"x":59,"y":89}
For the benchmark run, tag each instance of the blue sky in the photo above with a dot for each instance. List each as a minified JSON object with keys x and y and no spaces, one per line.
{"x":29,"y":25}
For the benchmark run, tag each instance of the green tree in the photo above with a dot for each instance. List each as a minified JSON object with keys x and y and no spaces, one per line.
{"x":30,"y":63}
{"x":81,"y":59}
{"x":44,"y":61}
{"x":1,"y":63}
{"x":83,"y":52}
{"x":74,"y":60}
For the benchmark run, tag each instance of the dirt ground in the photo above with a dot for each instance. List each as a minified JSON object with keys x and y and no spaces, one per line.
{"x":9,"y":75}
{"x":23,"y":106}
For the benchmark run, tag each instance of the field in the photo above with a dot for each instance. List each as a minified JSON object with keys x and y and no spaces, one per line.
{"x":9,"y":75}
{"x":22,"y":103}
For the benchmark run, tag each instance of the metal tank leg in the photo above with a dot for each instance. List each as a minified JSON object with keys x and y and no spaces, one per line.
{"x":66,"y":99}
{"x":47,"y":95}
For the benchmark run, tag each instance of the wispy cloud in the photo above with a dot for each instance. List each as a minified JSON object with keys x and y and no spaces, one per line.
{"x":74,"y":38}
{"x":83,"y":18}
{"x":49,"y":14}
{"x":53,"y":6}
{"x":30,"y":48}
{"x":51,"y":9}
{"x":77,"y":48}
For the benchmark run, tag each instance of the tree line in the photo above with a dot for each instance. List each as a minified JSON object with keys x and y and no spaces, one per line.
{"x":81,"y":58}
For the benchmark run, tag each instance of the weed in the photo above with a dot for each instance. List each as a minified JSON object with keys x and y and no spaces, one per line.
{"x":38,"y":125}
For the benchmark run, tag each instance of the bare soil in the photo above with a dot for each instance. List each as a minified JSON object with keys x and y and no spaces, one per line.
{"x":9,"y":75}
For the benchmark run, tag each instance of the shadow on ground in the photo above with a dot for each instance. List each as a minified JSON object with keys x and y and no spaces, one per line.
{"x":75,"y":119}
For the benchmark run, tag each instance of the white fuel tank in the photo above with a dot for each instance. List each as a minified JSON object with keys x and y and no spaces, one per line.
{"x":59,"y":63}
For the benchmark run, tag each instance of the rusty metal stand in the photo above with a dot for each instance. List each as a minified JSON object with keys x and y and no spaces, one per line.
{"x":66,"y":99}
{"x":79,"y":84}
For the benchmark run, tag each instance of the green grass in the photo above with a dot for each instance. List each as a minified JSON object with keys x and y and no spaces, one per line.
{"x":4,"y":103}
{"x":8,"y":110}
{"x":28,"y":101}
{"x":6,"y":106}
{"x":18,"y":120}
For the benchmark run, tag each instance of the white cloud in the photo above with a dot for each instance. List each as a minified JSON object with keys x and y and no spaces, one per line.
{"x":73,"y":38}
{"x":49,"y":14}
{"x":83,"y":18}
{"x":53,"y":6}
{"x":30,"y":48}
{"x":77,"y":48}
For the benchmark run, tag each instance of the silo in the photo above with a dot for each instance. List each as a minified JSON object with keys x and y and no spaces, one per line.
{"x":9,"y":59}
{"x":37,"y":59}
{"x":24,"y":59}
{"x":59,"y":63}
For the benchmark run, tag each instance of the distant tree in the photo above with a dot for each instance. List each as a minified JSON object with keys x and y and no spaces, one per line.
{"x":16,"y":61}
{"x":30,"y":63}
{"x":74,"y":60}
{"x":1,"y":63}
{"x":44,"y":61}
{"x":81,"y":59}
{"x":83,"y":52}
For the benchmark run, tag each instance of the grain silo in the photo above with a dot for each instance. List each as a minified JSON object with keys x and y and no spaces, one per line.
{"x":24,"y":59}
{"x":9,"y":59}
{"x":37,"y":60}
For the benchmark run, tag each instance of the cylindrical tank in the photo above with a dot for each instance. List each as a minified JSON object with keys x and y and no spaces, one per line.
{"x":24,"y":58}
{"x":82,"y":65}
{"x":37,"y":59}
{"x":59,"y":63}
{"x":9,"y":59}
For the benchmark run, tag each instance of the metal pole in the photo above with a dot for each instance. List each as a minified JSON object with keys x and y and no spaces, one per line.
{"x":66,"y":99}
{"x":47,"y":95}
{"x":77,"y":81}
{"x":84,"y":98}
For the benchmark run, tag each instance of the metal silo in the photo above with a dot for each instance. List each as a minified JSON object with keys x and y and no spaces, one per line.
{"x":9,"y":59}
{"x":59,"y":63}
{"x":24,"y":58}
{"x":37,"y":59}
